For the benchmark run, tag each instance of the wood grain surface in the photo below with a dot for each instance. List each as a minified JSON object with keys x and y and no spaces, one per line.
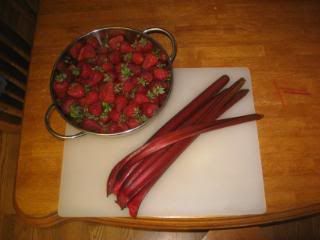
{"x":277,"y":40}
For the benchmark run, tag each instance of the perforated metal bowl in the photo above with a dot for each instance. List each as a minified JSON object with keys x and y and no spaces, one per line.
{"x":129,"y":33}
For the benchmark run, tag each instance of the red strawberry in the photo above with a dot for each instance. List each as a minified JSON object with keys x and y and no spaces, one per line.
{"x":90,"y":98}
{"x":107,"y":67}
{"x":149,"y":61}
{"x":86,"y":70}
{"x":107,"y":93}
{"x":125,"y":47}
{"x":93,"y":42}
{"x":160,"y":73}
{"x":91,"y":125}
{"x":76,"y":90}
{"x":115,"y":57}
{"x":147,"y":76}
{"x":141,"y":89}
{"x":67,"y":105}
{"x":123,"y":126}
{"x":61,"y":66}
{"x":149,"y":109}
{"x":102,"y":58}
{"x":120,"y":103}
{"x":163,"y":57}
{"x":132,"y":110}
{"x":137,"y":58}
{"x":113,"y":128}
{"x":87,"y":51}
{"x":116,"y":41}
{"x":135,"y":69}
{"x":117,"y":68}
{"x":95,"y":108}
{"x":141,"y":98}
{"x":102,"y":50}
{"x":144,"y":45}
{"x":133,"y":123}
{"x":127,"y":86}
{"x":114,"y":115}
{"x":104,"y":118}
{"x":75,"y":49}
{"x":60,"y":88}
{"x":95,"y":78}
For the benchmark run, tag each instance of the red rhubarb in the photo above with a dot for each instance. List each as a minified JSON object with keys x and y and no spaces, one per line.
{"x":175,"y":122}
{"x":215,"y":103}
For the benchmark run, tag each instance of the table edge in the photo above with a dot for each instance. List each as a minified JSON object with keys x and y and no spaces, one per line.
{"x":176,"y":223}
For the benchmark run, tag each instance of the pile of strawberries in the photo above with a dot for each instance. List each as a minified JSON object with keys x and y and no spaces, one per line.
{"x":108,"y":84}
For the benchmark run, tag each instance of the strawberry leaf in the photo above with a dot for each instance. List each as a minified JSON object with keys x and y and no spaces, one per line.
{"x":118,"y":87}
{"x":98,"y":68}
{"x":142,"y":81}
{"x":107,"y":107}
{"x":125,"y":71}
{"x":76,"y":112}
{"x":75,"y":70}
{"x":60,"y":77}
{"x":127,"y":57}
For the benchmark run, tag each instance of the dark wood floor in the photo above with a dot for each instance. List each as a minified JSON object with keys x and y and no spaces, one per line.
{"x":12,"y":227}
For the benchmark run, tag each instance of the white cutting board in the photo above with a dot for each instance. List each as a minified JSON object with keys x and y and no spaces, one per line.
{"x":219,"y":174}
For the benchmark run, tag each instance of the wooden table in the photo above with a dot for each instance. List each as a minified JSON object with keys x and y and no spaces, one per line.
{"x":277,"y":40}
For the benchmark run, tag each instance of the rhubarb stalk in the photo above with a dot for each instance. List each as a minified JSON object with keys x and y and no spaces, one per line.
{"x":175,"y":122}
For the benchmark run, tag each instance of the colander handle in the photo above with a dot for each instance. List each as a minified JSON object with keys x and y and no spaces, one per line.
{"x":53,"y":132}
{"x":169,"y":35}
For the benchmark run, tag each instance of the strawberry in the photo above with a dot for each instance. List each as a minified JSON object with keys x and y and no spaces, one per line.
{"x":160,"y":73}
{"x":117,"y":68}
{"x":132,"y":110}
{"x":141,"y":89}
{"x":141,"y":98}
{"x":127,"y":86}
{"x":90,"y":98}
{"x":86,"y":70}
{"x":104,"y":118}
{"x":76,"y":90}
{"x":116,"y":41}
{"x":137,"y":58}
{"x":144,"y":45}
{"x":149,"y":109}
{"x":107,"y":93}
{"x":115,"y":57}
{"x":95,"y":108}
{"x":102,"y":58}
{"x":125,"y":47}
{"x":91,"y":125}
{"x":95,"y":78}
{"x":107,"y":67}
{"x":135,"y":69}
{"x":133,"y":122}
{"x":113,"y":128}
{"x":163,"y":57}
{"x":114,"y":115}
{"x":93,"y":42}
{"x":86,"y":52}
{"x":149,"y":61}
{"x":123,"y":126}
{"x":120,"y":103}
{"x":66,"y":106}
{"x":75,"y":50}
{"x":145,"y":79}
{"x":60,"y":88}
{"x":61,"y":66}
